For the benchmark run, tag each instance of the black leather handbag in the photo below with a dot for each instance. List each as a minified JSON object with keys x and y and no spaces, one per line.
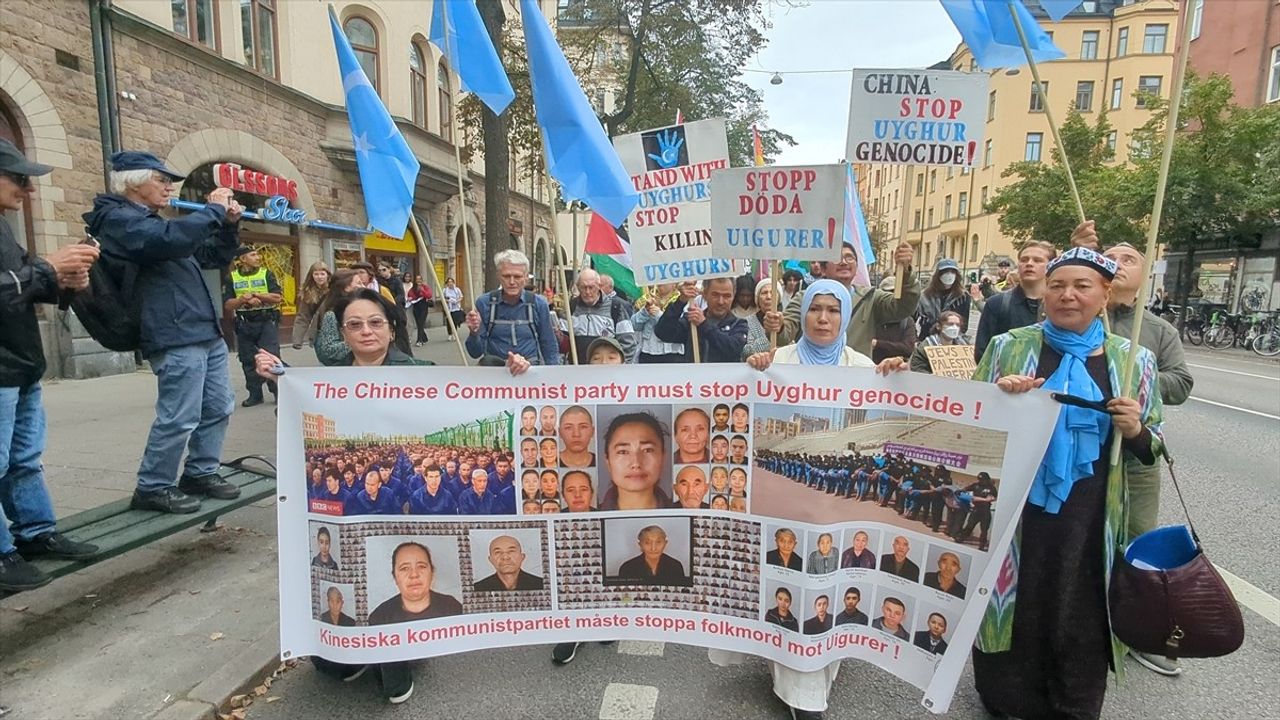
{"x":1167,"y":598}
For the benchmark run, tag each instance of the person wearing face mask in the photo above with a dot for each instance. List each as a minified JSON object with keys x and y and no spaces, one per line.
{"x":946,"y":331}
{"x":944,"y":293}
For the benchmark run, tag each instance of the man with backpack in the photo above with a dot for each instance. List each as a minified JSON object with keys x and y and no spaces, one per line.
{"x":178,"y":322}
{"x":512,"y":320}
{"x":27,"y":523}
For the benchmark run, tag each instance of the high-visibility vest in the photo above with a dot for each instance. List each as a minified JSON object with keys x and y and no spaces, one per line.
{"x":247,"y":284}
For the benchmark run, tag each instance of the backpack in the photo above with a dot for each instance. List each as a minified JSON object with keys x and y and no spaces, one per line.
{"x":108,"y":308}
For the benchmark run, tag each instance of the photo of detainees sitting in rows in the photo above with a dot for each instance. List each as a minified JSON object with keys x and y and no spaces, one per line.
{"x":821,"y":620}
{"x":648,"y":551}
{"x":333,"y":605}
{"x":850,"y":614}
{"x":691,"y":488}
{"x":823,"y":559}
{"x":412,"y":578}
{"x":860,"y":552}
{"x":322,"y":544}
{"x":950,"y":574}
{"x":933,"y":639}
{"x":636,"y":472}
{"x":511,"y":555}
{"x":899,"y":562}
{"x":577,"y":438}
{"x":893,"y":617}
{"x":784,"y":552}
{"x":780,"y":614}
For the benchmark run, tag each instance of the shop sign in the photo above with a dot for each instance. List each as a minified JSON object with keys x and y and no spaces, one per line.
{"x":277,"y":210}
{"x":242,"y":179}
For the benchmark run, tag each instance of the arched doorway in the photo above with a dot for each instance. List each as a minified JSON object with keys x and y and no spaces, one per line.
{"x":462,"y":273}
{"x":541,"y":270}
{"x":19,"y":220}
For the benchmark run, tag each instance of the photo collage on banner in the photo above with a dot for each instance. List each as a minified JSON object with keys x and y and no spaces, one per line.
{"x":800,"y":519}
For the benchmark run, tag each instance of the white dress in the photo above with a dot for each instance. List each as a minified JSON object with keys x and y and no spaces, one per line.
{"x":799,"y":689}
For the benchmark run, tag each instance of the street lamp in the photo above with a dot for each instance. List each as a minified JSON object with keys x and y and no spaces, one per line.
{"x":776,"y":79}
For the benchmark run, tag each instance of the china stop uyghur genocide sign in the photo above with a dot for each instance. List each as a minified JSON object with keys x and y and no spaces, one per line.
{"x":917,"y":117}
{"x":789,"y":213}
{"x":670,"y":229}
{"x":706,"y":505}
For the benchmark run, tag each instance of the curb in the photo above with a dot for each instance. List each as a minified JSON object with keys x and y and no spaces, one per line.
{"x":238,"y":676}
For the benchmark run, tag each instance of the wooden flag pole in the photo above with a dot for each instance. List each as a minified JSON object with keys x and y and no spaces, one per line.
{"x":568,"y":297}
{"x":693,"y":338}
{"x":426,"y":252}
{"x":1048,"y":114}
{"x":777,"y":298}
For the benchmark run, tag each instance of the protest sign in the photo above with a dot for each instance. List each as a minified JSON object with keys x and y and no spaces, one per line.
{"x":787,"y":213}
{"x":713,"y":506}
{"x":670,"y":230}
{"x":953,"y":361}
{"x":916,"y":117}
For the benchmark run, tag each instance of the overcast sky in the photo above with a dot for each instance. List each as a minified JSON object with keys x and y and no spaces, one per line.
{"x":840,"y":35}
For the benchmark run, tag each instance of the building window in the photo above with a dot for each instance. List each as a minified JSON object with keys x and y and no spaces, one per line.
{"x":946,"y":208}
{"x":446,"y":101}
{"x":258,"y":28}
{"x":1148,"y":85}
{"x":920,"y":184}
{"x":933,"y":181}
{"x":1089,"y":45}
{"x":951,"y":171}
{"x":1117,"y":93}
{"x":1197,"y":15}
{"x":1122,"y":42}
{"x":1273,"y":84}
{"x":878,"y":183}
{"x":963,"y":207}
{"x":1112,"y":138}
{"x":915,"y":222}
{"x":197,"y":20}
{"x":930,"y":217}
{"x":895,"y":199}
{"x":1032,"y":151}
{"x":418,"y":84}
{"x":973,"y":248}
{"x":1036,"y":104}
{"x":1084,"y":96}
{"x":1153,"y":39}
{"x":364,"y":41}
{"x":991,"y":106}
{"x":986,"y":154}
{"x":984,"y":200}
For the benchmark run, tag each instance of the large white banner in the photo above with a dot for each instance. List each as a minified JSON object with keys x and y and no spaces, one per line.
{"x":917,"y":117}
{"x":778,"y":212}
{"x":670,"y":230}
{"x":803,"y":517}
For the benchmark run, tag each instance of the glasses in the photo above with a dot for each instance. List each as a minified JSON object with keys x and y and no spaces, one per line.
{"x":373,"y":323}
{"x":22,"y":181}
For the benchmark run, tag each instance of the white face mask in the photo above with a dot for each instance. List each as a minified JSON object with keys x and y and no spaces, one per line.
{"x":947,"y":279}
{"x":951,"y":331}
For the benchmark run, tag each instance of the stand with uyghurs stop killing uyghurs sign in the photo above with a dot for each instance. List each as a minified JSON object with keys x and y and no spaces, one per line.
{"x":775,"y":513}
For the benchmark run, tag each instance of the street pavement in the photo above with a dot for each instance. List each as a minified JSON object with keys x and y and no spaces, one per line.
{"x":172,"y":630}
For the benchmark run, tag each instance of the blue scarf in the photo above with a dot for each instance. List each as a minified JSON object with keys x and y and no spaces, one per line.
{"x":1079,"y":434}
{"x":811,"y":353}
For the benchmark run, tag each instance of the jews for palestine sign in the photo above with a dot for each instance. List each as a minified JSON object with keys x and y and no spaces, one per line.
{"x":916,"y":117}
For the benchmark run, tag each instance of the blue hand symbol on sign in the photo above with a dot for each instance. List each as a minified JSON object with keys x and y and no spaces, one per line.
{"x":669,"y":145}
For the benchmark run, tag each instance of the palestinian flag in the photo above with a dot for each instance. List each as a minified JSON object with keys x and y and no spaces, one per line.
{"x":610,"y":253}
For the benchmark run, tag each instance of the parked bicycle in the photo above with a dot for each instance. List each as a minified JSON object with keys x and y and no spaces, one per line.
{"x":1266,"y":339}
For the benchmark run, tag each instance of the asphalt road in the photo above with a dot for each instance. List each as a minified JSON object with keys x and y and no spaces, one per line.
{"x":1227,"y":446}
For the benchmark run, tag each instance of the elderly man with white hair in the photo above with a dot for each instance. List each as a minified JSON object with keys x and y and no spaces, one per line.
{"x":596,"y":315}
{"x":181,"y":336}
{"x":511,"y":323}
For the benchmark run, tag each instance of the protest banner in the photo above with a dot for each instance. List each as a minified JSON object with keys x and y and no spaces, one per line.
{"x":789,"y":213}
{"x":953,"y":361}
{"x":916,"y":117}
{"x":670,"y":230}
{"x":711,"y":506}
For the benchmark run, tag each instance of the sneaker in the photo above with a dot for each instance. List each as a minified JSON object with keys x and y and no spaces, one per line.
{"x":211,"y":485}
{"x":397,"y":682}
{"x":1157,"y":663}
{"x":251,"y":401}
{"x":167,"y":499}
{"x":55,"y":544}
{"x":563,"y":653}
{"x":351,"y":673}
{"x":16,"y":574}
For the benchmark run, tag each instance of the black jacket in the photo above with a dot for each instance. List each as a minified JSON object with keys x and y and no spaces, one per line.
{"x":176,"y":308}
{"x":24,"y":281}
{"x":721,"y":340}
{"x":1002,"y":313}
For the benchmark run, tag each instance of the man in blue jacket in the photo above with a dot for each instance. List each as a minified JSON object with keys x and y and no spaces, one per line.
{"x":181,"y":337}
{"x":721,"y":334}
{"x":511,"y":319}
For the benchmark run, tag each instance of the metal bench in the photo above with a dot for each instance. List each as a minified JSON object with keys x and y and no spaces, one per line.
{"x":116,"y":528}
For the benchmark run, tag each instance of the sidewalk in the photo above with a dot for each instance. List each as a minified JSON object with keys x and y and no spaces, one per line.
{"x":169,"y":631}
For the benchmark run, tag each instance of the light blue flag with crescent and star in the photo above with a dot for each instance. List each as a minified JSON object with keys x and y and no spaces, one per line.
{"x":579,"y":154}
{"x":1058,"y":9}
{"x":987,"y":28}
{"x":388,"y":168}
{"x":470,"y":52}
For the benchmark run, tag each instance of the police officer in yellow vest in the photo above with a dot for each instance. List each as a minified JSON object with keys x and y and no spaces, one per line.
{"x":253,"y":293}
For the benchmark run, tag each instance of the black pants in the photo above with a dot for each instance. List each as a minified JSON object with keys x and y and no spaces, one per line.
{"x":420,"y":310}
{"x":254,"y":332}
{"x":647,"y":359}
{"x":458,"y":317}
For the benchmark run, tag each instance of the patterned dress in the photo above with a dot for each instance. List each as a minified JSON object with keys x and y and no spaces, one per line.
{"x":1050,"y":659}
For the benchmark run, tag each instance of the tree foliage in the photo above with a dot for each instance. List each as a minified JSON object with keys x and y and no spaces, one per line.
{"x":657,"y":56}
